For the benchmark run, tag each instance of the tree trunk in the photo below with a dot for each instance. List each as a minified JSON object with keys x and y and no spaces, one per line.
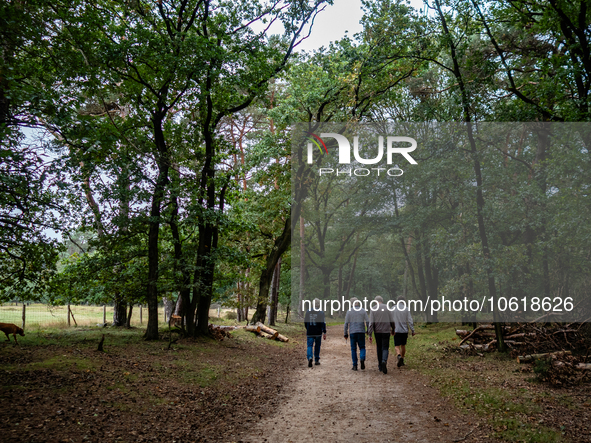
{"x":351,"y":277}
{"x":405,"y":281}
{"x":239,"y":302}
{"x":154,"y":228}
{"x":421,"y":274}
{"x":168,"y":308}
{"x":128,"y":321}
{"x":431,"y":280}
{"x":203,"y":291}
{"x":184,"y":288}
{"x":178,"y":308}
{"x":302,"y":294}
{"x":274,"y":299}
{"x":280,"y":246}
{"x":406,"y":251}
{"x":119,"y":312}
{"x":478,"y":173}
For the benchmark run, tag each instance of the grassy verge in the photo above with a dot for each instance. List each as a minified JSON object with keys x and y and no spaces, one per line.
{"x":490,"y":385}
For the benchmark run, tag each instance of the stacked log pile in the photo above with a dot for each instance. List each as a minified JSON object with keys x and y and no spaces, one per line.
{"x":220,"y":332}
{"x":559,"y":352}
{"x":264,"y":331}
{"x":526,"y":338}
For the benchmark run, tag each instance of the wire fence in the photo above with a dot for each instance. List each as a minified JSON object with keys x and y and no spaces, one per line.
{"x":38,"y":315}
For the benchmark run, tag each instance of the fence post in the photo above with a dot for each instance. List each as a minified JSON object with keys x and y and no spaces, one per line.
{"x":141,"y":315}
{"x":24,"y":308}
{"x":104,"y":314}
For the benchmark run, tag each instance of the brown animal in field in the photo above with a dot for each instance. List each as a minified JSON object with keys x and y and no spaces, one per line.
{"x":176,"y":320}
{"x":9,"y":328}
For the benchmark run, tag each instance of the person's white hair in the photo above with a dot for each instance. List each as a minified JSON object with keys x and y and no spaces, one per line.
{"x":353,"y":300}
{"x":379,"y":299}
{"x":316,"y":301}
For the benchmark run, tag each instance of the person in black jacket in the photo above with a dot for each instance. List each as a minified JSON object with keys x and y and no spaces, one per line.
{"x":315,"y":330}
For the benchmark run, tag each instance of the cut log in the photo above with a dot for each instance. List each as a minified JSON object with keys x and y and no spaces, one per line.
{"x":471,"y":346}
{"x":267,"y":330}
{"x":267,"y":336}
{"x":219,"y":333}
{"x":462,"y":332}
{"x":222,"y":327}
{"x":584,"y":366}
{"x":532,"y":357}
{"x":282,"y":338}
{"x":523,"y":334}
{"x":252,"y":328}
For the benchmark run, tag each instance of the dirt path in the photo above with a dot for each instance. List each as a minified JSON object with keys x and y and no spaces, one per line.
{"x":332,"y":403}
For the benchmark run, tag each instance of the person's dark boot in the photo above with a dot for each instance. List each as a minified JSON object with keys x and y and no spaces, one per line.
{"x":310,"y":363}
{"x":354,"y":368}
{"x":384,"y":367}
{"x":317,"y":362}
{"x":362,"y":364}
{"x":402,"y":361}
{"x":380,"y":367}
{"x":399,"y":360}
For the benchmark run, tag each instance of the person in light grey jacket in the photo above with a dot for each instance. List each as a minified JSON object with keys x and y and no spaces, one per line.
{"x":403,"y":321}
{"x":356,"y":322}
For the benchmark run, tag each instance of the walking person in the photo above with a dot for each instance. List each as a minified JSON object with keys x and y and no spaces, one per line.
{"x":356,"y":321}
{"x":315,"y":330}
{"x":381,"y":323}
{"x":403,"y":321}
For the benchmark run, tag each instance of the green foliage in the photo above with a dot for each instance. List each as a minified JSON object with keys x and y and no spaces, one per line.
{"x":177,"y":119}
{"x":231,"y":315}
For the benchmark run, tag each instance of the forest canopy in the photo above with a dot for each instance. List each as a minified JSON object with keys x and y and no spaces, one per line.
{"x":146,"y":152}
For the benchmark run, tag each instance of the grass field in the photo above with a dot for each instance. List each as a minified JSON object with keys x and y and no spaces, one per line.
{"x":38,"y":315}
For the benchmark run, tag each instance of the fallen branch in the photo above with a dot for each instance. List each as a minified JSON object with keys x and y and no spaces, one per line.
{"x":465,"y":436}
{"x":479,"y":328}
{"x":72,"y":314}
{"x":532,"y":357}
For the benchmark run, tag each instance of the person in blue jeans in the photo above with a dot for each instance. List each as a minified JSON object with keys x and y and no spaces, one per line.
{"x":315,"y":330}
{"x":356,"y":321}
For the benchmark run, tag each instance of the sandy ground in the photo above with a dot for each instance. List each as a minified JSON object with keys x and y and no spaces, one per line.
{"x":333,"y":403}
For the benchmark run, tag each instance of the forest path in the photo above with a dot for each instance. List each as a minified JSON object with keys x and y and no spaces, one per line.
{"x":332,"y":403}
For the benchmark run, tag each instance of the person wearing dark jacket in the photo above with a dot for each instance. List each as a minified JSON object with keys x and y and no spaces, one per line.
{"x":315,"y":330}
{"x":381,"y":323}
